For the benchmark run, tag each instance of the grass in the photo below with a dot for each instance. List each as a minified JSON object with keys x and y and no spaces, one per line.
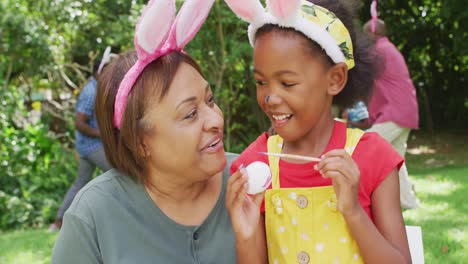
{"x":438,"y":166}
{"x":443,"y":214}
{"x":26,"y":246}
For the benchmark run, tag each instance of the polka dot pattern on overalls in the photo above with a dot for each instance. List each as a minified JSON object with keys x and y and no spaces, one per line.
{"x":303,"y":225}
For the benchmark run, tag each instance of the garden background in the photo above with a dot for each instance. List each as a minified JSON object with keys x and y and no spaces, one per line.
{"x":48,"y":48}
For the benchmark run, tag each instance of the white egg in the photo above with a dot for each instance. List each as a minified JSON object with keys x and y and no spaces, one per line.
{"x":259,"y":177}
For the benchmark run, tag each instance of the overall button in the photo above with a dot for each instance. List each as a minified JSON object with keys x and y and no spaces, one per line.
{"x":303,"y":257}
{"x":301,"y":201}
{"x":332,"y":202}
{"x":276,"y":200}
{"x":277,"y":203}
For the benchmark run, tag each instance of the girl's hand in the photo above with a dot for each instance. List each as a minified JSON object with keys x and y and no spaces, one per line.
{"x":338,"y":165}
{"x":244,"y":210}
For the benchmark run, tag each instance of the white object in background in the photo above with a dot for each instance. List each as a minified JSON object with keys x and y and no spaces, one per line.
{"x":415,"y":243}
{"x":259,"y":175}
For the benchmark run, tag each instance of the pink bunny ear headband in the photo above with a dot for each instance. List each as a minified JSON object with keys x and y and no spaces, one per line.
{"x":316,"y":22}
{"x":157,"y":34}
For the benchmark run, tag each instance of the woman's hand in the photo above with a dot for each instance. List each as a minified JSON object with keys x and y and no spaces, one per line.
{"x":244,"y":209}
{"x":338,"y":165}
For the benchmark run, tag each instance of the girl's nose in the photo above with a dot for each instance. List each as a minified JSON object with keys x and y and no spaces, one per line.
{"x":272,"y":99}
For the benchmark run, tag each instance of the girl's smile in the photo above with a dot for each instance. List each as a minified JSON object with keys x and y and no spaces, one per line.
{"x":280,"y":120}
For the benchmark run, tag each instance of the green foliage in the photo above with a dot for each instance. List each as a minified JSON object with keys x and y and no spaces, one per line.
{"x":48,"y":45}
{"x":35,"y":167}
{"x":24,"y":41}
{"x":63,"y":36}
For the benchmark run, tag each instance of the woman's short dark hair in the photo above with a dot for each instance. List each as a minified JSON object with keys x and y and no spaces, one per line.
{"x":123,"y":148}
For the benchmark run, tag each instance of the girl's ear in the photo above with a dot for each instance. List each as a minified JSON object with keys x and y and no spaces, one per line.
{"x":337,"y":78}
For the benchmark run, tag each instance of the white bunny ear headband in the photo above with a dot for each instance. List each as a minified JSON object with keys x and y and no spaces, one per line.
{"x":316,"y":22}
{"x":157,"y":34}
{"x":106,"y":58}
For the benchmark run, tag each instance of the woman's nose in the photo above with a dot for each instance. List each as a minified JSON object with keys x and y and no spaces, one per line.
{"x":214,"y":119}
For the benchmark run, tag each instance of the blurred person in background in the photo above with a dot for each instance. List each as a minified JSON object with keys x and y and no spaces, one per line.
{"x":393,"y":105}
{"x":87,"y":140}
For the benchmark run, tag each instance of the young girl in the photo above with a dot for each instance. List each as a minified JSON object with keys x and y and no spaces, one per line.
{"x":344,"y":208}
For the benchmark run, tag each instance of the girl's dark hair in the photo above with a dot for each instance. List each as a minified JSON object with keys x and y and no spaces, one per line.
{"x":361,"y":77}
{"x":123,"y":147}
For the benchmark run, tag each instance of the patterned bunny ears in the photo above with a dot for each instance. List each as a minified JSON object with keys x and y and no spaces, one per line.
{"x":157,"y":34}
{"x":317,"y":23}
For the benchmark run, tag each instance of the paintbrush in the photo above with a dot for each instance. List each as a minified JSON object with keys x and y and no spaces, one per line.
{"x":291,"y":156}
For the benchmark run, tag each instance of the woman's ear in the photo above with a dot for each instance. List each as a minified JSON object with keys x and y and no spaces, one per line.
{"x":143,"y":149}
{"x":337,"y":78}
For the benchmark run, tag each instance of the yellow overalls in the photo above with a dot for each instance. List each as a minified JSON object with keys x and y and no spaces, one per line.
{"x":303,"y":224}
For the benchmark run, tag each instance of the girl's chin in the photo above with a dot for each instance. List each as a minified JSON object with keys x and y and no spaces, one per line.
{"x":287,"y":134}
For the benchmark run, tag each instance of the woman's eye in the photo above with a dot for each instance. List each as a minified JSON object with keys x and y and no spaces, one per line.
{"x":286,"y":84}
{"x":211,"y":100}
{"x":192,"y":114}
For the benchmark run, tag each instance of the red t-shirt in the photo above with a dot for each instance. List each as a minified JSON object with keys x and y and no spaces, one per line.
{"x":375,"y":157}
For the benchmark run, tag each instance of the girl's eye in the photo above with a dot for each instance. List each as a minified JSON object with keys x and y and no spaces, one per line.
{"x":285,"y":84}
{"x":261,"y":83}
{"x":191,"y":115}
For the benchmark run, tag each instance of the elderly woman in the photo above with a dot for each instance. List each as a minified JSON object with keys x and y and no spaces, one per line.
{"x":164,"y":201}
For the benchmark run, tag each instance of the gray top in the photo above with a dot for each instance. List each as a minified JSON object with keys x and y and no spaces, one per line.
{"x":113,"y":220}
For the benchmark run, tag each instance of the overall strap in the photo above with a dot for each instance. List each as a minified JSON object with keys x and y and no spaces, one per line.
{"x":274,"y":145}
{"x":353,"y":135}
